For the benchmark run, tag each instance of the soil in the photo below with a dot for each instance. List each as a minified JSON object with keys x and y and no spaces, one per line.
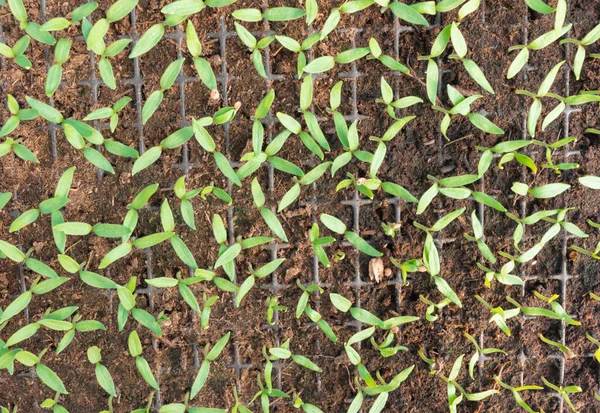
{"x":417,"y":152}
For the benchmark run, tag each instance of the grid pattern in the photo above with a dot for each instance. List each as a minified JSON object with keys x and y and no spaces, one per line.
{"x":353,"y":75}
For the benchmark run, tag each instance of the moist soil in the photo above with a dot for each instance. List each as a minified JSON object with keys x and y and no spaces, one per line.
{"x":417,"y":152}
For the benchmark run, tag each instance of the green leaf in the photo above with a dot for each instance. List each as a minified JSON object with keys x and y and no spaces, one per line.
{"x":146,"y":159}
{"x":142,"y":198}
{"x":549,"y":190}
{"x":148,"y":40}
{"x":183,"y":252}
{"x":45,"y":111}
{"x":518,"y":63}
{"x":540,"y":6}
{"x":200,"y":379}
{"x":120,"y":9}
{"x":126,"y":298}
{"x":22,"y":334}
{"x":225,"y":167}
{"x":115,"y":254}
{"x":333,"y":223}
{"x":320,"y":65}
{"x":110,"y":230}
{"x":26,"y":218}
{"x":17,"y":8}
{"x":477,"y":74}
{"x":105,"y":380}
{"x":589,"y":181}
{"x":273,"y":223}
{"x":407,"y":13}
{"x":152,"y":240}
{"x":446,"y":290}
{"x":50,"y":379}
{"x":96,"y":35}
{"x":290,"y":196}
{"x":289,"y":123}
{"x":171,"y":73}
{"x":549,"y":37}
{"x":146,"y":372}
{"x":277,"y":14}
{"x":361,"y":244}
{"x":229,"y":255}
{"x":106,"y":73}
{"x":134,"y":344}
{"x":483,"y":123}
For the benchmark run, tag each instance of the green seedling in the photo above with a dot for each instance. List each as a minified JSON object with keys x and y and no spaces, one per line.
{"x":433,"y":308}
{"x":181,"y":249}
{"x":546,"y":191}
{"x":185,"y":408}
{"x":103,"y":376}
{"x":112,"y":113}
{"x":430,"y":361}
{"x":268,"y":216}
{"x":337,"y":226}
{"x":272,"y":308}
{"x":202,"y":65}
{"x":53,"y":404}
{"x":205,"y":315}
{"x":210,"y":355}
{"x":266,"y":391}
{"x":539,"y":43}
{"x":61,"y":55}
{"x":557,"y":312}
{"x":76,"y":133}
{"x":105,"y":52}
{"x":381,"y":390}
{"x":273,"y":14}
{"x":564,"y":392}
{"x":148,"y":405}
{"x":253,"y":45}
{"x":535,"y":111}
{"x":43,"y":372}
{"x":451,"y":384}
{"x":186,"y":208}
{"x":503,"y":277}
{"x":499,"y":315}
{"x":365,"y":186}
{"x":135,"y":349}
{"x":17,"y":8}
{"x":261,"y":272}
{"x":299,"y":48}
{"x":590,"y":38}
{"x":156,"y":97}
{"x":17,"y":115}
{"x":568,"y":353}
{"x":387,"y":97}
{"x":509,"y":151}
{"x":306,"y":407}
{"x":596,"y":343}
{"x":307,"y":179}
{"x":238,"y":407}
{"x":550,"y":148}
{"x":95,"y":37}
{"x":77,"y":16}
{"x":478,"y":354}
{"x":319,"y":244}
{"x":388,"y":61}
{"x":183,"y":285}
{"x":351,"y":353}
{"x":384,"y":347}
{"x":303,"y":307}
{"x":391,"y":229}
{"x":283,"y":353}
{"x":516,"y":393}
{"x":22,"y":301}
{"x":15,"y":146}
{"x":479,"y":238}
{"x":462,"y":106}
{"x":591,"y":253}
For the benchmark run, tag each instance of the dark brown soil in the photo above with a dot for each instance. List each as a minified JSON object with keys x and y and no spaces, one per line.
{"x":419,"y":151}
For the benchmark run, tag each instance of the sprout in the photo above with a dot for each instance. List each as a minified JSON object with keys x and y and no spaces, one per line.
{"x":77,"y":16}
{"x":337,"y":226}
{"x":113,"y":114}
{"x":254,"y":45}
{"x":272,"y":307}
{"x":589,"y":39}
{"x":477,"y":355}
{"x":135,"y":349}
{"x":515,"y":392}
{"x":430,"y":313}
{"x":17,"y":8}
{"x":557,"y":312}
{"x":596,"y":343}
{"x":209,"y":357}
{"x":568,"y":353}
{"x":384,"y":347}
{"x":499,"y":315}
{"x":319,"y":243}
{"x":564,"y":392}
{"x":202,"y":65}
{"x":103,"y":376}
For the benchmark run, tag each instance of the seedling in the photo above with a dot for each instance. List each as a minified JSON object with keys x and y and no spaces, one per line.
{"x":77,"y":15}
{"x":430,"y":361}
{"x":503,"y":277}
{"x":43,"y":372}
{"x":61,"y":55}
{"x":381,"y":390}
{"x":268,"y":216}
{"x":589,"y":39}
{"x":210,"y":355}
{"x":17,"y":115}
{"x":479,"y":238}
{"x":477,"y":355}
{"x":557,"y":312}
{"x":52,"y":404}
{"x":283,"y":353}
{"x":319,"y":243}
{"x":113,"y":114}
{"x":499,"y":315}
{"x":515,"y":392}
{"x":94,"y":38}
{"x":17,"y":8}
{"x":592,"y":253}
{"x":433,"y":308}
{"x":306,"y":407}
{"x":202,"y":65}
{"x":387,"y":97}
{"x":384,"y":347}
{"x":453,"y":399}
{"x":261,"y":272}
{"x":462,"y":106}
{"x":254,"y":45}
{"x":135,"y":349}
{"x":17,"y":52}
{"x":15,"y":146}
{"x":303,"y":307}
{"x":564,"y":392}
{"x":156,"y":97}
{"x":568,"y":353}
{"x":103,"y":376}
{"x":596,"y":343}
{"x":272,"y":307}
{"x":337,"y":226}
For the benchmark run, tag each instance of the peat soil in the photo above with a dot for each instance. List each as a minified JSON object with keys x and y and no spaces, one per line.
{"x":417,"y":152}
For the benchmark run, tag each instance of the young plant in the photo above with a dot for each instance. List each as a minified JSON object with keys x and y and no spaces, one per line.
{"x":319,"y":243}
{"x":337,"y":226}
{"x":503,"y":277}
{"x":305,"y":180}
{"x":591,"y":253}
{"x":535,"y":111}
{"x":51,"y":404}
{"x":272,"y":307}
{"x":113,"y":114}
{"x":135,"y":349}
{"x":433,"y":308}
{"x":479,"y":238}
{"x":95,"y":36}
{"x":568,"y":353}
{"x":596,"y":343}
{"x":103,"y":376}
{"x":387,"y":97}
{"x":589,"y":39}
{"x":499,"y":315}
{"x":202,"y":65}
{"x":283,"y":353}
{"x":478,"y":354}
{"x":388,"y":61}
{"x":261,"y":272}
{"x":516,"y":393}
{"x":509,"y":151}
{"x":557,"y":312}
{"x":550,"y":148}
{"x":384,"y":347}
{"x":381,"y":390}
{"x":43,"y":372}
{"x":61,"y":55}
{"x":462,"y":106}
{"x":210,"y":355}
{"x":365,"y":186}
{"x":539,"y":43}
{"x":564,"y":392}
{"x":268,"y":216}
{"x":17,"y":52}
{"x":19,"y":12}
{"x":77,"y":15}
{"x":303,"y":307}
{"x":156,"y":97}
{"x":17,"y":115}
{"x":306,"y":407}
{"x":15,"y":146}
{"x":254,"y":45}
